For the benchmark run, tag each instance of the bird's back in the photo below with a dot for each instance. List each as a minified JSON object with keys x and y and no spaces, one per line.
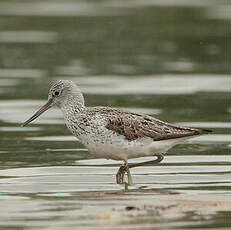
{"x":134,"y":126}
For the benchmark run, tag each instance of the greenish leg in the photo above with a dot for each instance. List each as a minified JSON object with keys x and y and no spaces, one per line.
{"x":125,"y":168}
{"x":159,"y":156}
{"x":120,"y":175}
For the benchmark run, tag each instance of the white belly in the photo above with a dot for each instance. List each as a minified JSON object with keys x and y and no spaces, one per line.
{"x":124,"y":150}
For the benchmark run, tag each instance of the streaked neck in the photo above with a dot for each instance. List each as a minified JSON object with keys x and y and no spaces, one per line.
{"x":72,"y":105}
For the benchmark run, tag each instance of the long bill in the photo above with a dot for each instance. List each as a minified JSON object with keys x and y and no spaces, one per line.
{"x":39,"y":112}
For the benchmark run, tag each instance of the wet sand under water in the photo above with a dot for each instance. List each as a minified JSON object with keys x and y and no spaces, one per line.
{"x":134,"y":209}
{"x":171,"y":195}
{"x":159,"y":204}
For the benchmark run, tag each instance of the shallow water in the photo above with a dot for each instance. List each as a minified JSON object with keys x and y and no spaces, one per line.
{"x":168,"y":59}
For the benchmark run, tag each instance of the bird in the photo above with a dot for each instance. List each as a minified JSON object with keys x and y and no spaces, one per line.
{"x":114,"y":133}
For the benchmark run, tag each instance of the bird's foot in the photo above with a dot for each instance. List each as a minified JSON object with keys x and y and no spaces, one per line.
{"x":125,"y":169}
{"x":120,"y":175}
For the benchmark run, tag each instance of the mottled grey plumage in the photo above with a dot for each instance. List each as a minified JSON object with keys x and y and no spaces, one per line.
{"x":114,"y":133}
{"x":134,"y":126}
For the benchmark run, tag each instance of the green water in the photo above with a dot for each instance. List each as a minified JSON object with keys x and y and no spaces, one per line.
{"x":169,"y":61}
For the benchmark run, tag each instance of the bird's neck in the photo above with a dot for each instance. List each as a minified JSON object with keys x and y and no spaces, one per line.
{"x":71,"y":107}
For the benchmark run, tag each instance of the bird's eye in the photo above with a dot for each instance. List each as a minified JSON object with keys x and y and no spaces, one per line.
{"x":56,"y":93}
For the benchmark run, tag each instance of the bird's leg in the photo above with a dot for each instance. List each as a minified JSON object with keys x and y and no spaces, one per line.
{"x":129,"y":175}
{"x":121,"y":172}
{"x":159,"y":156}
{"x":125,"y":168}
{"x":120,"y":175}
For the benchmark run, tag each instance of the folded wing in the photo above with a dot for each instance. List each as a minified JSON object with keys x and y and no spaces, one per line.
{"x":134,"y":126}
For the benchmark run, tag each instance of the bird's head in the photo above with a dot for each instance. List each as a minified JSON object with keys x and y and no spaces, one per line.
{"x":63,"y":93}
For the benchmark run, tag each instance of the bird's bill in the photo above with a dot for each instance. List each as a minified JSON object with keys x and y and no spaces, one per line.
{"x":39,"y":112}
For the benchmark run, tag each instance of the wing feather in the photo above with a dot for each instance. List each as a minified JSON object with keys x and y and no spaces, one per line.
{"x":134,"y":126}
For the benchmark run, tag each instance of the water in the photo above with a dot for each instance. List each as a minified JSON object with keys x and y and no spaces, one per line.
{"x":168,"y":59}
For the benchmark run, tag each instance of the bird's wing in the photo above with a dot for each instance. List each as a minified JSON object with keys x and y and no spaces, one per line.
{"x":134,"y":126}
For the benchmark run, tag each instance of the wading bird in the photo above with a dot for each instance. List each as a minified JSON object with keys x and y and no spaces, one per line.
{"x":114,"y":133}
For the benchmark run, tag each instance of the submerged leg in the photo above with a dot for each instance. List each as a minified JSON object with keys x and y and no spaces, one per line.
{"x":129,"y":176}
{"x":120,"y":175}
{"x":121,"y":172}
{"x":125,"y":169}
